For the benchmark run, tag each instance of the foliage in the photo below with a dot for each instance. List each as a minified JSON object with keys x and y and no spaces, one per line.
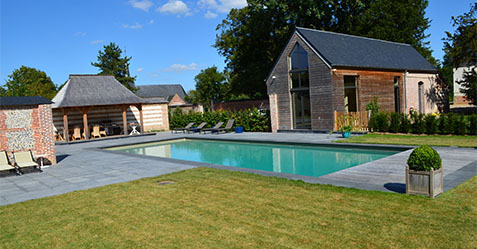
{"x":110,"y":62}
{"x":460,"y":125}
{"x":417,"y":122}
{"x":405,"y":123}
{"x":395,"y":124}
{"x":251,"y":119}
{"x":380,"y":122}
{"x":373,"y":106}
{"x":27,"y":81}
{"x":446,"y":123}
{"x":430,"y":123}
{"x":252,"y":38}
{"x":210,"y":86}
{"x":447,"y":72}
{"x":346,"y":128}
{"x":462,"y":50}
{"x":424,"y":158}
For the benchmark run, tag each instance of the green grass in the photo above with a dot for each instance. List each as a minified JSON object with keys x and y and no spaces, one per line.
{"x":210,"y":208}
{"x":432,"y":140}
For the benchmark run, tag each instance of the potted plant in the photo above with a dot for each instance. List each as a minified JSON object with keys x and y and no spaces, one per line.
{"x":346,"y":131}
{"x":424,"y":174}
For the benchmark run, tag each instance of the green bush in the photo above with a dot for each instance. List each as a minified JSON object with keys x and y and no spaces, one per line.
{"x":430,"y":123}
{"x":381,"y":122}
{"x":424,"y":158}
{"x":417,"y":122}
{"x":251,"y":119}
{"x":395,"y":124}
{"x":460,"y":127}
{"x":405,"y":124}
{"x":446,"y":123}
{"x":472,"y":124}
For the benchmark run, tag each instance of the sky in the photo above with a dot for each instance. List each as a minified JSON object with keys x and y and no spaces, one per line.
{"x":170,"y":41}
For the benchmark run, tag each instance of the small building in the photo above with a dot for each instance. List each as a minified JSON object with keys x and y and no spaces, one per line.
{"x":174,"y":94}
{"x":321,"y":72}
{"x":86,"y":100}
{"x":459,"y":97}
{"x":26,"y":124}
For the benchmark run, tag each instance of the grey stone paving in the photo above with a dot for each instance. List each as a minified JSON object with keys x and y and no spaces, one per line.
{"x":86,"y":165}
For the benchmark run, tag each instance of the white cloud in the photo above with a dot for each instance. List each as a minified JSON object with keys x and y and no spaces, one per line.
{"x":182,"y":68}
{"x":96,"y":41}
{"x":151,"y":21}
{"x":80,"y":34}
{"x":223,"y":6}
{"x":142,"y":5}
{"x":174,"y":7}
{"x":210,"y":15}
{"x":140,"y":69}
{"x":135,"y":26}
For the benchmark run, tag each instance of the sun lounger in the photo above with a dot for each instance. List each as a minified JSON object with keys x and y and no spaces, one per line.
{"x":24,"y":159}
{"x":183,"y":129}
{"x":198,"y":128}
{"x":5,"y":163}
{"x":228,"y":127}
{"x":217,"y":126}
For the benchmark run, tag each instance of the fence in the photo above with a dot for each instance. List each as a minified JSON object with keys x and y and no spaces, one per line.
{"x":359,"y":120}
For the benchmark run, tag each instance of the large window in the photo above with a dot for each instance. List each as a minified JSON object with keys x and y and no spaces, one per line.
{"x":397,"y":95}
{"x":300,"y":84}
{"x":350,"y":94}
{"x":421,"y":106}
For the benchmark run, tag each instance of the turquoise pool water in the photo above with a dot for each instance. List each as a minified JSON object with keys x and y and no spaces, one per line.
{"x":283,"y":158}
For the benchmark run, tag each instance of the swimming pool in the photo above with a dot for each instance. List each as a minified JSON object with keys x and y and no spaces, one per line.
{"x":306,"y":160}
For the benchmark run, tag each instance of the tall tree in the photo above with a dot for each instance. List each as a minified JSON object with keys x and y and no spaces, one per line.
{"x":461,"y":47}
{"x":27,"y":81}
{"x":210,"y":86}
{"x":110,"y":62}
{"x":252,"y":38}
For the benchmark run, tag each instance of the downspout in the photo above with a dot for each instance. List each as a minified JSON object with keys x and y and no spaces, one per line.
{"x":405,"y":89}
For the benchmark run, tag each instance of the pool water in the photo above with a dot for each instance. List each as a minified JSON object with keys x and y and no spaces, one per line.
{"x":282,"y":158}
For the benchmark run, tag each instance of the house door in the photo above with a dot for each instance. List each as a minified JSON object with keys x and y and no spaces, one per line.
{"x":301,"y":110}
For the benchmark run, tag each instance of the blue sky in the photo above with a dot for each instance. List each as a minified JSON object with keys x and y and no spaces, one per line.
{"x":169,"y":40}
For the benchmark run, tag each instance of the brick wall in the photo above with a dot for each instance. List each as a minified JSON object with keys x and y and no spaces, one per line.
{"x":27,"y":128}
{"x":430,"y":92}
{"x":177,"y":100}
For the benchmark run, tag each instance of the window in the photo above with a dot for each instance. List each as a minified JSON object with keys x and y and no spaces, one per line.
{"x":350,"y":94}
{"x":300,"y":84}
{"x":421,"y":107}
{"x":397,"y":96}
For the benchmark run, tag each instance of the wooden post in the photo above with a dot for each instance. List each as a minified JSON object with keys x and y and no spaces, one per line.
{"x":85,"y":123}
{"x":125,"y":120}
{"x":141,"y":120}
{"x":65,"y":124}
{"x":335,"y":125}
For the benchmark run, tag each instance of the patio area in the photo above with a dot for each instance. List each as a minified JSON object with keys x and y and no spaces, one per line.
{"x":85,"y":165}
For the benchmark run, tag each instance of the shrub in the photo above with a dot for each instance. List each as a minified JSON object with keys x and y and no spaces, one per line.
{"x":395,"y":122}
{"x":373,"y":106}
{"x":430,"y":123}
{"x":346,"y":128}
{"x":460,"y":125}
{"x":405,"y":124}
{"x":417,"y":122}
{"x":380,"y":121}
{"x":424,"y":158}
{"x":472,"y":124}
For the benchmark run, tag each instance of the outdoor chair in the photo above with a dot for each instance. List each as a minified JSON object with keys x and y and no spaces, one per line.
{"x":97,"y":132}
{"x":24,"y":159}
{"x":228,"y":127}
{"x":5,"y":163}
{"x":217,"y":126}
{"x":58,"y":136}
{"x":76,"y":133}
{"x":183,"y":129}
{"x":198,"y":128}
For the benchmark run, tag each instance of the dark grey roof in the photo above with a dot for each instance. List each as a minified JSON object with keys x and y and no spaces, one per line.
{"x":94,"y":90}
{"x":24,"y":100}
{"x":162,"y":90}
{"x":155,"y":100}
{"x":341,"y":50}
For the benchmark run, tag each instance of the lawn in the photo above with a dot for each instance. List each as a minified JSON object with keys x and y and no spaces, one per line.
{"x":432,"y":140}
{"x":211,"y":208}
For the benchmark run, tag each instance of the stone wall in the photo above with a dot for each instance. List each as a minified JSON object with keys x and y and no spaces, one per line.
{"x":25,"y":128}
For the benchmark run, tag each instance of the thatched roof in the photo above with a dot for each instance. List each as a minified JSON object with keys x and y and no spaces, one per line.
{"x":94,"y":90}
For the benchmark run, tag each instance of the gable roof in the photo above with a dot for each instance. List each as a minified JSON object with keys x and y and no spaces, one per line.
{"x":93,"y":90}
{"x":24,"y":100}
{"x":162,"y":90}
{"x":342,"y":50}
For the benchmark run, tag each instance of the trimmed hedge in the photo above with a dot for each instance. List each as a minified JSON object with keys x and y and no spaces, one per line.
{"x":418,"y":123}
{"x":250,"y":119}
{"x":423,"y":158}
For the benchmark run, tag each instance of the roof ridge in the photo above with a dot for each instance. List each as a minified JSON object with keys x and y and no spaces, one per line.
{"x":355,"y":36}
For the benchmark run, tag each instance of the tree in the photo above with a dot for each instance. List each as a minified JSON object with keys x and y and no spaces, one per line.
{"x":252,"y":38}
{"x":210,"y":87}
{"x":27,"y":81}
{"x":461,"y":47}
{"x":110,"y":62}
